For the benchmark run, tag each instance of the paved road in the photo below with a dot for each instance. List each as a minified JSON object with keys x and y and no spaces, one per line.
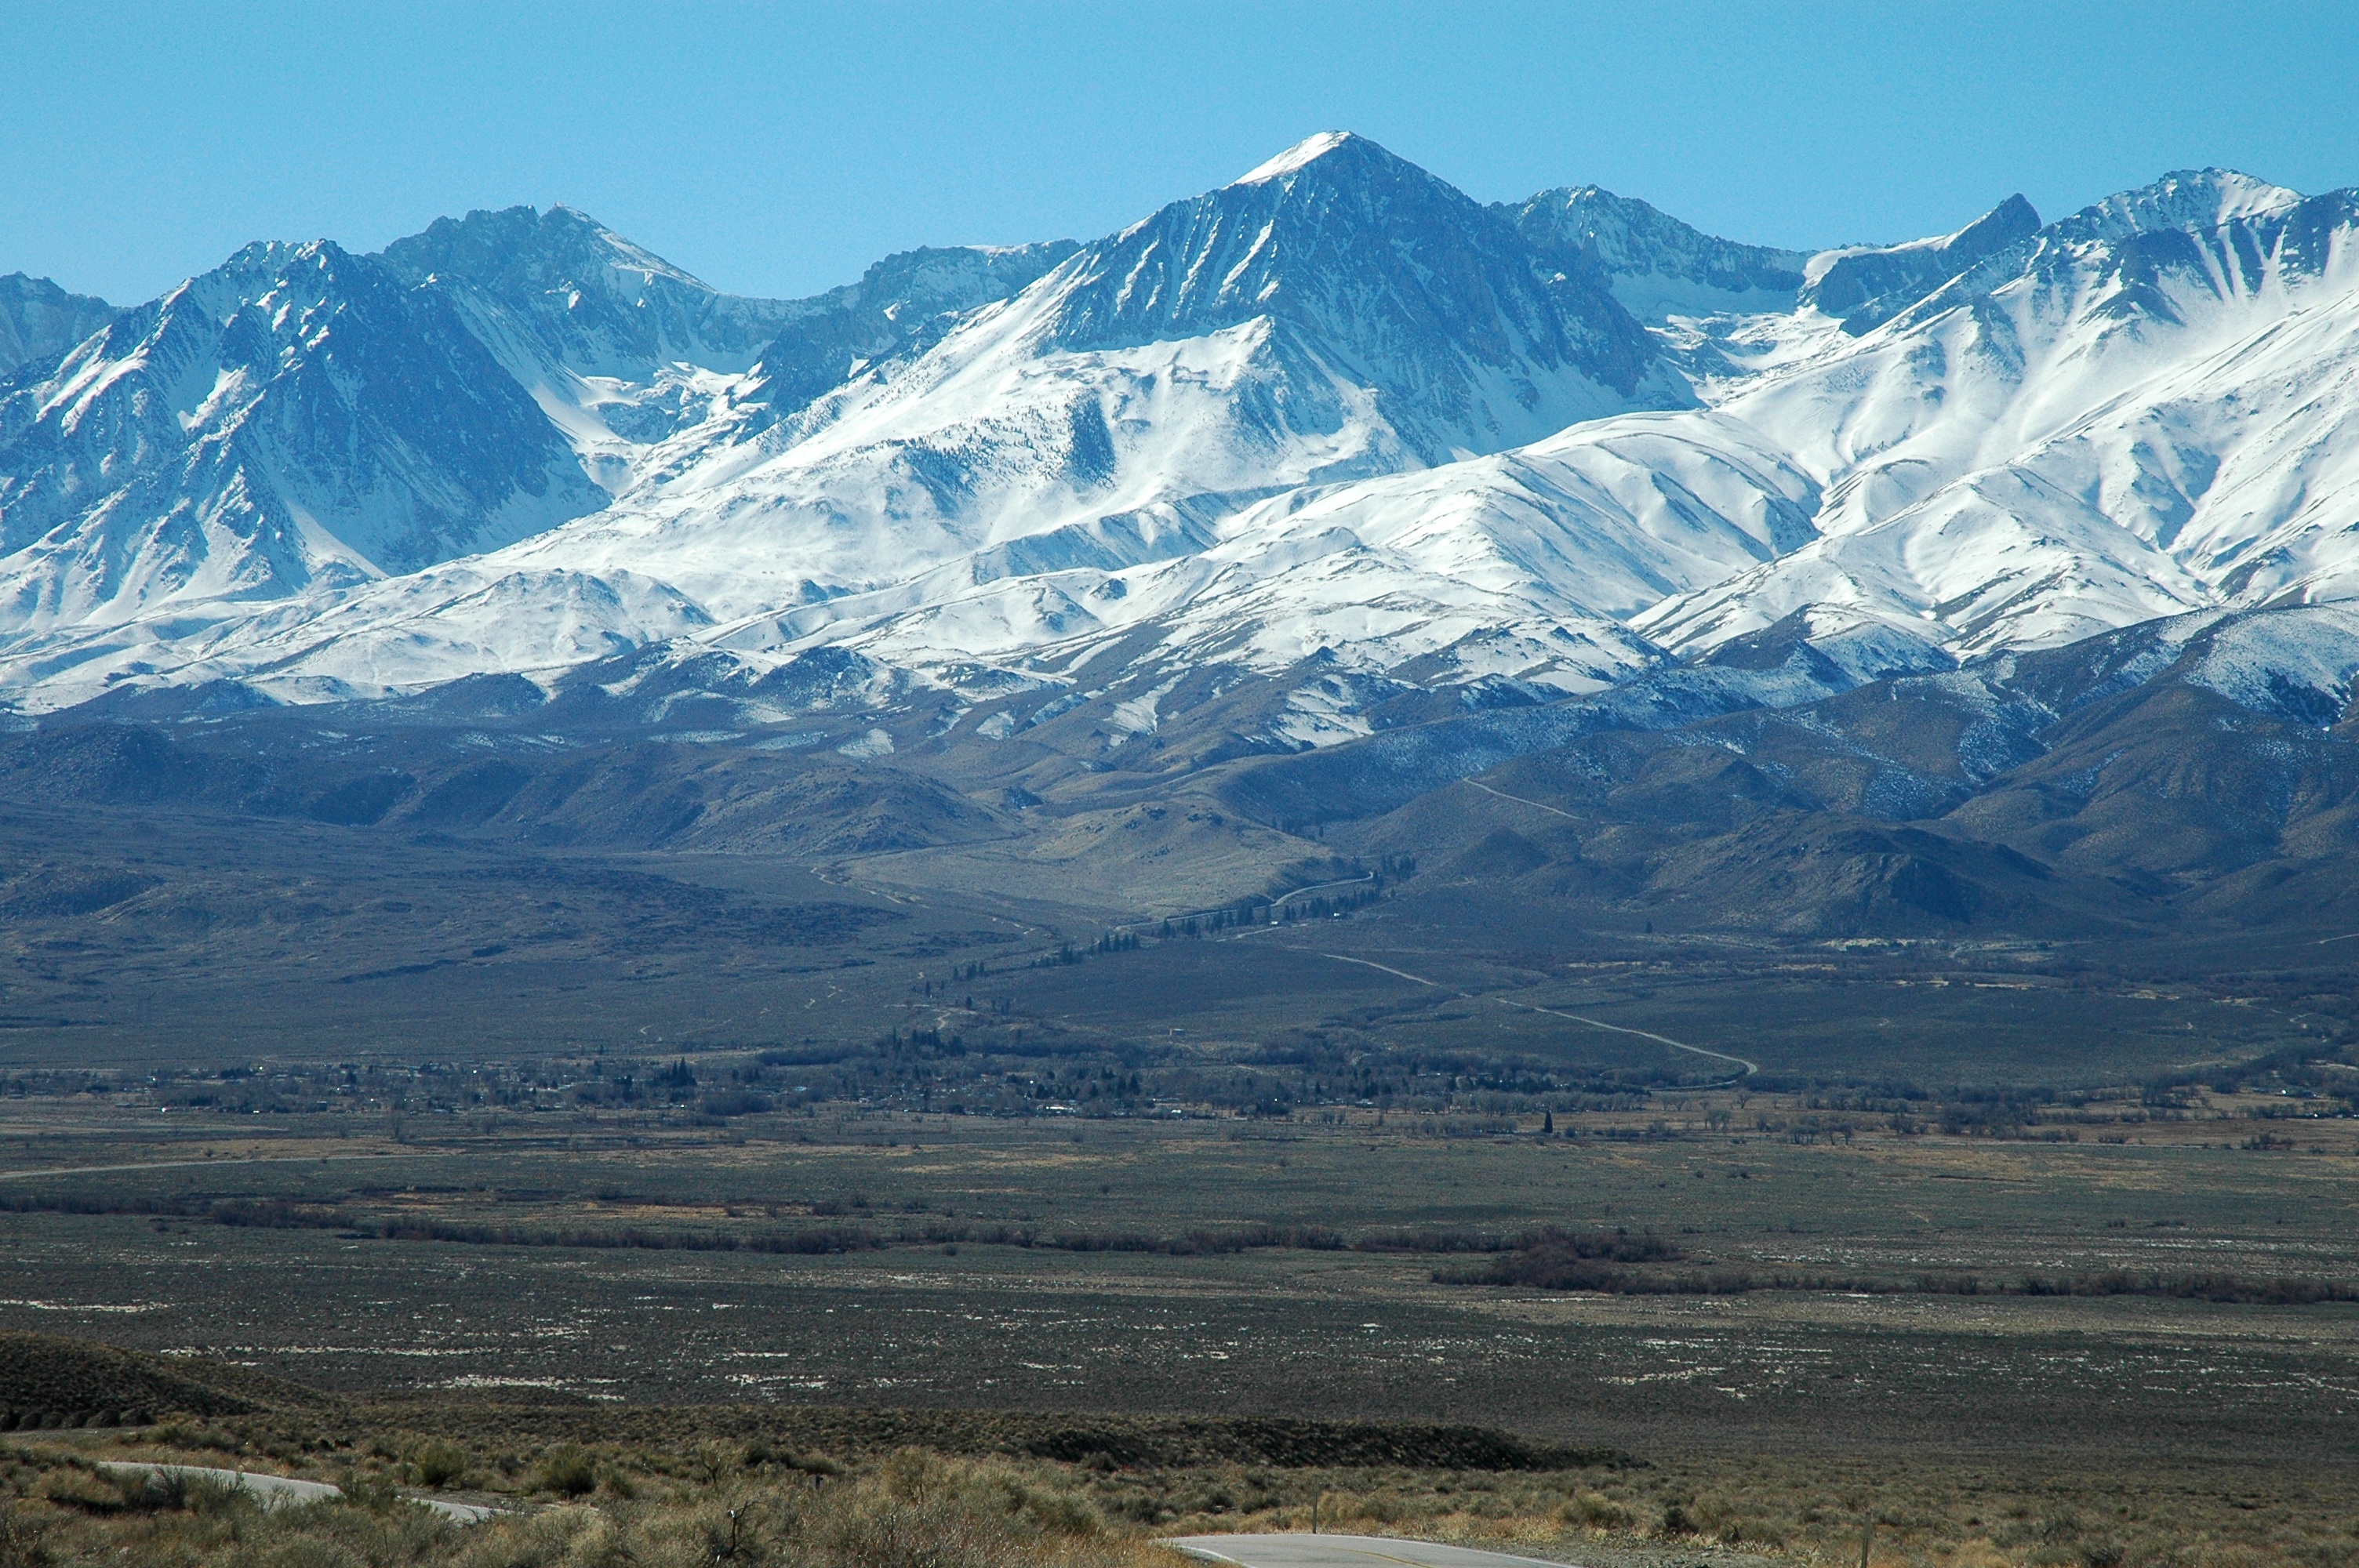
{"x":1519,"y":800}
{"x":1342,"y":1551}
{"x":1750,"y":1067}
{"x":287,"y":1489}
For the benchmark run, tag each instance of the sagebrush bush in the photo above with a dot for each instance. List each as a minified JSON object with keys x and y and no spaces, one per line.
{"x":1595,"y":1511}
{"x":912,"y":1510}
{"x":568,"y":1470}
{"x":440,"y":1464}
{"x":763,"y":1505}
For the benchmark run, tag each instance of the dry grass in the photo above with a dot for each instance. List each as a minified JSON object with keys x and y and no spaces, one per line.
{"x":607,"y":1505}
{"x":912,"y":1510}
{"x":1930,"y":1514}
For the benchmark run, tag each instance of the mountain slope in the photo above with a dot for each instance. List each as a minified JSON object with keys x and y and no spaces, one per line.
{"x":2102,"y":422}
{"x":296,"y":415}
{"x":1518,"y":566}
{"x":2181,"y":773}
{"x":601,"y":305}
{"x":1328,"y":451}
{"x":38,"y":319}
{"x":1657,"y":265}
{"x":1867,"y":285}
{"x":902,"y":305}
{"x":1334,"y":314}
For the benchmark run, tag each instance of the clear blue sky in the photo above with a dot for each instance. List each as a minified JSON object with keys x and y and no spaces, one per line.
{"x":776,"y":149}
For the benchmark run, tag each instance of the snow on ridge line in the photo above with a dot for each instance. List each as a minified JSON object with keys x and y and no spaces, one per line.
{"x":2016,"y":491}
{"x":2192,"y":198}
{"x":1299,"y":156}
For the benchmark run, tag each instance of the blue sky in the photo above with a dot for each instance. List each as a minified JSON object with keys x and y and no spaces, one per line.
{"x":777,"y":149}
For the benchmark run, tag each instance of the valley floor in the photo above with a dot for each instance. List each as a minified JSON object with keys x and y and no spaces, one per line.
{"x":2129,"y":1380}
{"x":526,"y":1165}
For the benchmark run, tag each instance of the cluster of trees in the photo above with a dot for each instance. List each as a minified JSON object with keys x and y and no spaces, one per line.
{"x":983,"y":1055}
{"x":1619,"y":1263}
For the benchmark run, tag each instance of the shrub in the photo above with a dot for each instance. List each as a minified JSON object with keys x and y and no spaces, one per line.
{"x":568,"y":1470}
{"x":75,"y":1488}
{"x":440,"y":1464}
{"x":1595,"y":1509}
{"x":21,"y":1543}
{"x":364,"y":1489}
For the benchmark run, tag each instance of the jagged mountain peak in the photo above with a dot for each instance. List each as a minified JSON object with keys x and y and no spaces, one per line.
{"x":39,"y":318}
{"x":280,"y":285}
{"x":1398,"y":278}
{"x":299,"y":415}
{"x":1302,"y":155}
{"x":1594,"y":211}
{"x":2009,"y":221}
{"x":1336,"y":176}
{"x":2191,"y":200}
{"x":2196,"y":237}
{"x":511,"y":246}
{"x":1867,"y":285}
{"x":43,"y":287}
{"x":254,"y":263}
{"x":1659,"y":266}
{"x":1335,"y":404}
{"x":1626,"y":230}
{"x":2004,"y":224}
{"x":590,"y":301}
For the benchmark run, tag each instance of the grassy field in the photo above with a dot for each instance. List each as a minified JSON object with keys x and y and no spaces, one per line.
{"x":507,"y":1284}
{"x":957,"y":1261}
{"x":766,"y":1484}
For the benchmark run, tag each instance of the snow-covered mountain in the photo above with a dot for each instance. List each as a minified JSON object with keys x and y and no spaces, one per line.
{"x":626,"y":350}
{"x":2146,"y":408}
{"x":1334,"y":434}
{"x":1658,"y":266}
{"x":901,"y":305}
{"x":297,"y":417}
{"x":1867,"y":285}
{"x":1334,"y":314}
{"x":39,"y":318}
{"x":301,"y":419}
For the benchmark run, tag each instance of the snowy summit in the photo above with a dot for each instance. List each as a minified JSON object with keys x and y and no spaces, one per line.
{"x":1301,"y":154}
{"x":1335,"y":429}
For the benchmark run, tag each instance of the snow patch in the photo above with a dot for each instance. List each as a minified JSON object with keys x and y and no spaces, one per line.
{"x":1302,"y":155}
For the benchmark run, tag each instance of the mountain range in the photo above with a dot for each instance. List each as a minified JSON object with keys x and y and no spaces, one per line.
{"x":1331,"y":459}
